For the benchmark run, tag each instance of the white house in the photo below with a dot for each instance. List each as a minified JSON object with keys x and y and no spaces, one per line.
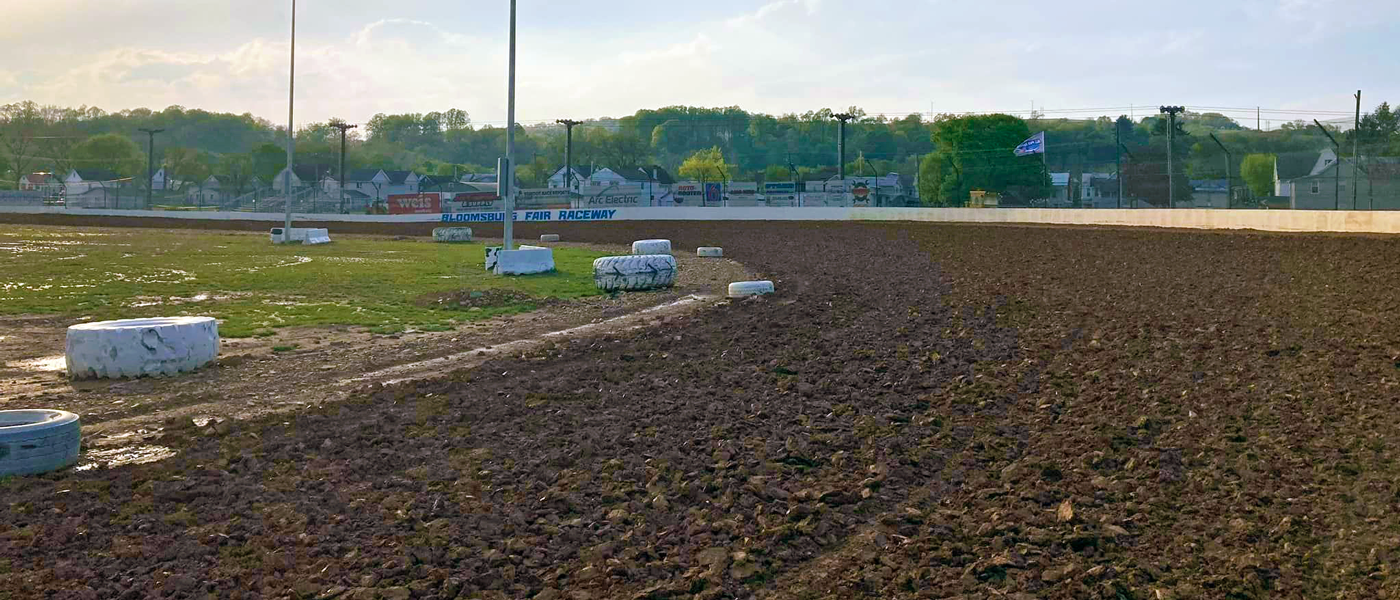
{"x":81,"y":181}
{"x":580,"y":174}
{"x":653,"y":181}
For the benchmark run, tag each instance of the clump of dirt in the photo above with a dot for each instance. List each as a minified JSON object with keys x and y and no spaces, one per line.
{"x":469,"y":299}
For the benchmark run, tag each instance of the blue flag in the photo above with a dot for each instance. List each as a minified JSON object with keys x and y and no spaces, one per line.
{"x":1034,"y":145}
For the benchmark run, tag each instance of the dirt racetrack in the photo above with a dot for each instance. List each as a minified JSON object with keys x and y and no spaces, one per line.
{"x":920,"y":411}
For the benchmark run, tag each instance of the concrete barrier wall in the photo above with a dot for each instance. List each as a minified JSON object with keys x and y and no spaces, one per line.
{"x":1263,"y":220}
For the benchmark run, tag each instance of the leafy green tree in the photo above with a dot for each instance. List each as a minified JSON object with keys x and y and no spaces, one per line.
{"x":1258,"y":173}
{"x":237,"y":170}
{"x":976,"y":152}
{"x":706,"y":165}
{"x":269,"y":160}
{"x":775,"y":173}
{"x":186,"y":167}
{"x":110,"y":151}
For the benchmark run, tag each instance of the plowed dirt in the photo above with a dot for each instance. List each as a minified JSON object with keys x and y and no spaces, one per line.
{"x":920,"y":411}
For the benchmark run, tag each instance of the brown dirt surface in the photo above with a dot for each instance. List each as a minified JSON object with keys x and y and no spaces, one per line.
{"x":920,"y":411}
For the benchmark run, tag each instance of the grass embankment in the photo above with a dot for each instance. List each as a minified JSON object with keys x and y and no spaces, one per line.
{"x":254,"y":287}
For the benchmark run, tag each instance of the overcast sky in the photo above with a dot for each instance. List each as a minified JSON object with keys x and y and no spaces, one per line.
{"x":356,"y":58}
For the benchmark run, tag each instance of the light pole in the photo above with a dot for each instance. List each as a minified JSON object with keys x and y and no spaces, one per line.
{"x":291,"y":132}
{"x":150,"y":161}
{"x":342,"y":127}
{"x":509,"y":174}
{"x":841,"y":144}
{"x":1229,"y":178}
{"x":568,"y":151}
{"x":1171,"y":112}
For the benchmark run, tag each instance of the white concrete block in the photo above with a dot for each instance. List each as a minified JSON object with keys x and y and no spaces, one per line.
{"x":525,"y":261}
{"x":709,"y":252}
{"x":549,"y":237}
{"x":141,"y":347}
{"x":741,"y":289}
{"x":452,"y":235}
{"x":651,"y":247}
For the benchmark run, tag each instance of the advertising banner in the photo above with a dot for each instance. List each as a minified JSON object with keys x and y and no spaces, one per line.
{"x":471,"y":202}
{"x":415,"y":204}
{"x":780,"y":193}
{"x":714,"y":194}
{"x":615,"y":197}
{"x":688,"y":193}
{"x":543,"y":198}
{"x":744,"y":193}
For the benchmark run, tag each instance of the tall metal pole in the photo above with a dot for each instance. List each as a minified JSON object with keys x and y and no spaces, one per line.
{"x":1229,"y":179}
{"x":291,"y":131}
{"x":841,"y":145}
{"x":1118,"y":158}
{"x":1356,"y":154}
{"x":1171,"y":112}
{"x":509,"y":175}
{"x":1336,"y":167}
{"x":568,"y":151}
{"x":342,"y":127}
{"x":150,"y":162}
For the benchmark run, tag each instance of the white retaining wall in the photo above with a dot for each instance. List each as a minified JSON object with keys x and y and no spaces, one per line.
{"x":1264,"y":220}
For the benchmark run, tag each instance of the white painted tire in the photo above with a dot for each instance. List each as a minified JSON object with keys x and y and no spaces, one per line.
{"x":634,"y":273}
{"x":549,"y":237}
{"x":141,"y":347}
{"x":452,"y":235}
{"x":742,"y":289}
{"x":641,"y":247}
{"x":37,"y":441}
{"x":709,"y":252}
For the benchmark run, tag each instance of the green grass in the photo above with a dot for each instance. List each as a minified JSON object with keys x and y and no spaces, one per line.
{"x":254,"y":287}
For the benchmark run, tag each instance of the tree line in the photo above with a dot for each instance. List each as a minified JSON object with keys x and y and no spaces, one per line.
{"x":951,"y":153}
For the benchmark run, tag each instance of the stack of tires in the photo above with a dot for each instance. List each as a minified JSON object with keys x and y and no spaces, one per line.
{"x":634,"y":273}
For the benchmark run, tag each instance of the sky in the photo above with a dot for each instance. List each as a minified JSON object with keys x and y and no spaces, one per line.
{"x":357,"y":58}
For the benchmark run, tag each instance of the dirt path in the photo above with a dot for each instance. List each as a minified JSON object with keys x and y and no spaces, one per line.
{"x":328,"y":364}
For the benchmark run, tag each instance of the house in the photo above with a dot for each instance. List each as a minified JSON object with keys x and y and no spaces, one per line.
{"x":303,"y":176}
{"x":81,"y":181}
{"x":1376,"y":185}
{"x":43,"y":182}
{"x":1293,"y":165}
{"x":1210,"y":193}
{"x":401,"y":182}
{"x":651,"y":181}
{"x":579,"y":175}
{"x":161,"y":181}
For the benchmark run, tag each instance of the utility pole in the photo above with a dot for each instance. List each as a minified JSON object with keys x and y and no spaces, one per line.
{"x":1356,"y":153}
{"x":291,"y":131}
{"x":568,"y":151}
{"x":509,"y":174}
{"x":841,"y":144}
{"x":151,"y":162}
{"x":1337,"y":168}
{"x":1120,"y":179}
{"x":1118,"y":158}
{"x":342,"y":127}
{"x":1258,"y":119}
{"x":1171,"y":112}
{"x":1229,"y":180}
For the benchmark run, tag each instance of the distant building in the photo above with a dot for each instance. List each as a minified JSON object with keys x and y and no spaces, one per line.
{"x":42,"y":182}
{"x":82,"y":181}
{"x":1378,"y":186}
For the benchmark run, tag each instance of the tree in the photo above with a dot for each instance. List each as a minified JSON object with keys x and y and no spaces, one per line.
{"x":776,"y":173}
{"x":20,"y":125}
{"x":269,"y":160}
{"x":110,"y":151}
{"x":976,"y":153}
{"x":706,"y":164}
{"x":184,"y":167}
{"x":1258,"y":173}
